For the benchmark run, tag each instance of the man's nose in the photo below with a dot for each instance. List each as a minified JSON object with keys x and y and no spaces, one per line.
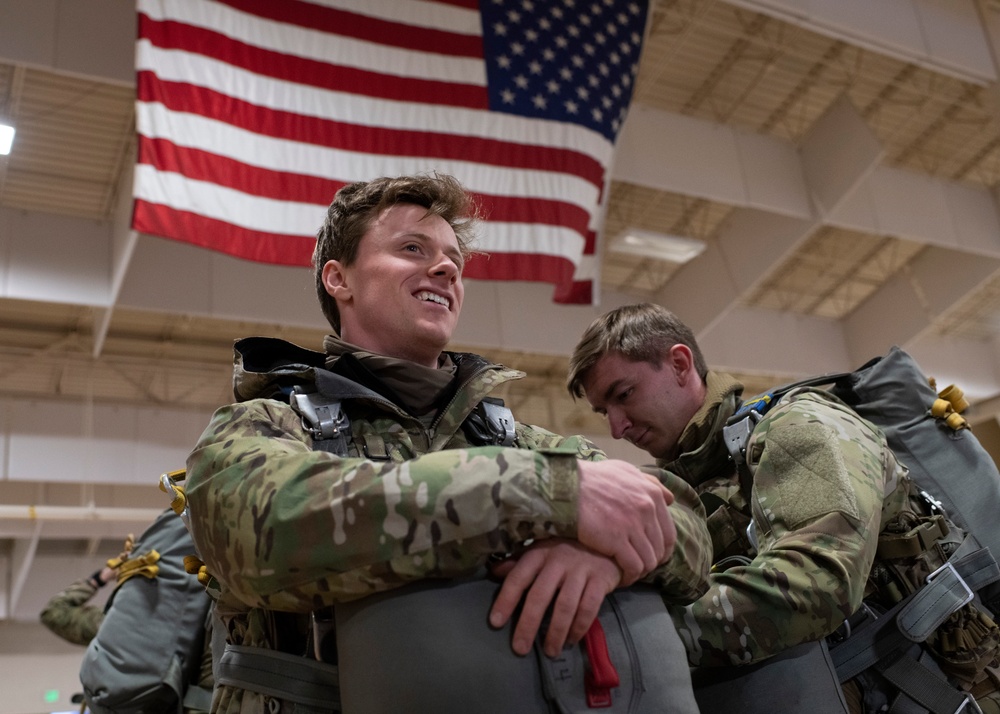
{"x":444,"y":265}
{"x":619,"y":423}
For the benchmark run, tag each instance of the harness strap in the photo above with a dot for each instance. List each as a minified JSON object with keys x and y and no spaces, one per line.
{"x":306,"y":682}
{"x":924,"y":686}
{"x":917,"y":615}
{"x":323,"y":418}
{"x":197,"y":698}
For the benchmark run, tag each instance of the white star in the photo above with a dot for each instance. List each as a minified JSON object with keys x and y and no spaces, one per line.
{"x":589,"y":49}
{"x":584,"y":19}
{"x":521,"y":81}
{"x":548,"y":54}
{"x":527,"y":6}
{"x":532,"y":35}
{"x":513,"y":16}
{"x":616,"y":90}
{"x":597,"y":114}
{"x":582,"y":93}
{"x":577,"y":60}
{"x":566,"y":73}
{"x":517,"y":48}
{"x":592,"y":80}
{"x":503,"y":61}
{"x":604,"y":69}
{"x":615,"y":58}
{"x":539,"y":101}
{"x":557,"y":13}
{"x":545,"y":23}
{"x":553,"y":86}
{"x":500,"y":29}
{"x":573,"y":30}
{"x":572,"y":107}
{"x":561,"y":42}
{"x":535,"y":67}
{"x":606,"y":102}
{"x":507,"y":96}
{"x":634,"y":8}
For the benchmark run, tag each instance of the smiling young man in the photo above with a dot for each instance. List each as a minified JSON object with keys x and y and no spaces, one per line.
{"x":387,"y":467}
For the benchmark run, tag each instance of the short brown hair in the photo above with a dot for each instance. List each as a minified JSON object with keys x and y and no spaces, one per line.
{"x":357,"y":205}
{"x":642,"y":332}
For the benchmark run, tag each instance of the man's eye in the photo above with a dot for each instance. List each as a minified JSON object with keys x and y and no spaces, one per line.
{"x":625,"y":394}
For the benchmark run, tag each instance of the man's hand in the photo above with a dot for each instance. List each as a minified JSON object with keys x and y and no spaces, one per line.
{"x":624,"y":515}
{"x":581,"y":578}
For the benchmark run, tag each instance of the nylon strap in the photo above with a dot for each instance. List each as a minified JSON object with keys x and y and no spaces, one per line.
{"x":923,"y":685}
{"x":306,"y":682}
{"x":925,"y":607}
{"x":198,"y":698}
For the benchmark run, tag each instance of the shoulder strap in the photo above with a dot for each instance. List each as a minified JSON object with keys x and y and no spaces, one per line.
{"x":491,"y":423}
{"x":738,"y":428}
{"x":324,"y":418}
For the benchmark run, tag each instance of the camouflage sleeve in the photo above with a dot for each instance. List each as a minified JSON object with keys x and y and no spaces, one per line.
{"x":685,"y":576}
{"x":290,"y":528}
{"x":68,"y":617}
{"x":820,"y":473}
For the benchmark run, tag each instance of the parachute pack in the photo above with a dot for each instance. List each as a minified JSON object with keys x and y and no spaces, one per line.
{"x":148,"y":650}
{"x":947,"y":613}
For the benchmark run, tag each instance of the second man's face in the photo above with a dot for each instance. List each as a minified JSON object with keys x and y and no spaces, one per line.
{"x":645,"y":404}
{"x":403,"y":294}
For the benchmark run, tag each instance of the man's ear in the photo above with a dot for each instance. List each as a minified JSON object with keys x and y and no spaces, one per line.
{"x":335,"y":281}
{"x":681,"y":360}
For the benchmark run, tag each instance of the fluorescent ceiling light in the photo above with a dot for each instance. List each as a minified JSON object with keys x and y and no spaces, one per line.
{"x":649,"y":244}
{"x":6,"y":139}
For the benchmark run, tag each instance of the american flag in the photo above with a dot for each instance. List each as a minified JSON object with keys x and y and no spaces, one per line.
{"x":252,"y":113}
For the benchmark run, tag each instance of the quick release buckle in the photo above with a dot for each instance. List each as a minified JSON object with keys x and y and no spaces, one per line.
{"x":322,"y":421}
{"x":736,"y":435}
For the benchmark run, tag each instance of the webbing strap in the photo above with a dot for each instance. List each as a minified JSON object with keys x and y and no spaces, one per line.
{"x":313,"y":685}
{"x":198,"y":698}
{"x":926,"y":607}
{"x":924,"y":686}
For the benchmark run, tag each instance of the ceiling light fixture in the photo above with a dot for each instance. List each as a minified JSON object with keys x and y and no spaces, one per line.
{"x":6,"y":138}
{"x":650,"y":244}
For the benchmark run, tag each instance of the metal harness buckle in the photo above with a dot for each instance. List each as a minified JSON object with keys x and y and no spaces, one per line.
{"x":969,"y":701}
{"x":969,"y":595}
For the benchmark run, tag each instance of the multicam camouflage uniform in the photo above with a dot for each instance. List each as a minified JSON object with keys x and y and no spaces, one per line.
{"x":287,"y":529}
{"x":822,"y":477}
{"x":68,"y":615}
{"x":825,"y":484}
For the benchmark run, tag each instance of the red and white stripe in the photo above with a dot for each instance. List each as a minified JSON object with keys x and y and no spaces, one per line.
{"x":252,"y":113}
